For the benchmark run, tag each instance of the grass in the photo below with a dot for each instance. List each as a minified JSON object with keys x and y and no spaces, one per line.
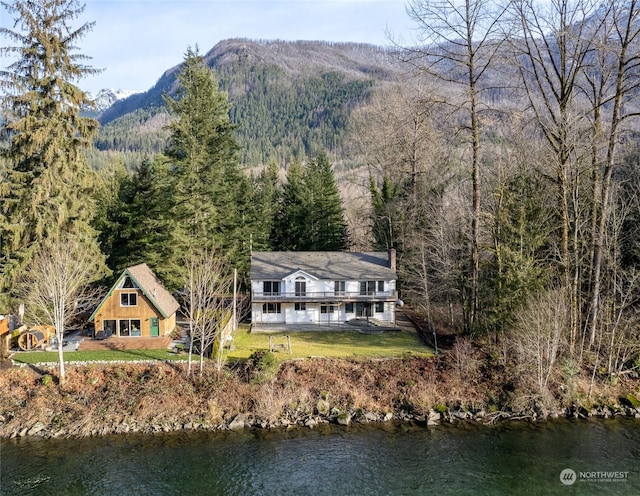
{"x":93,"y":356}
{"x":393,"y":344}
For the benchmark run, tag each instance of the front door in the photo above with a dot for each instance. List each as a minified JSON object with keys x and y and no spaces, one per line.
{"x":154,"y":322}
{"x":363,"y":309}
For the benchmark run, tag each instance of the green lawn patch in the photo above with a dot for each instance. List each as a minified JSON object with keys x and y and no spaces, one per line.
{"x":390,"y":344}
{"x":93,"y":356}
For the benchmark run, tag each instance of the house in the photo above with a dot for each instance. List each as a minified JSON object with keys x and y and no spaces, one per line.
{"x":322,"y":287}
{"x":137,"y":305}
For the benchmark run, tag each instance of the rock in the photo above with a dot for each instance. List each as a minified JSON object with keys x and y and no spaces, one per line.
{"x":238,"y":423}
{"x":35,"y":429}
{"x":188,"y":426}
{"x":434,"y":418}
{"x":388,"y":416}
{"x":323,"y":407}
{"x":310,"y":423}
{"x":343,"y":419}
{"x":371,"y":417}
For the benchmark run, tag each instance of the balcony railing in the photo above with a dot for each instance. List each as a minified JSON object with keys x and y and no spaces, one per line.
{"x":298,"y":296}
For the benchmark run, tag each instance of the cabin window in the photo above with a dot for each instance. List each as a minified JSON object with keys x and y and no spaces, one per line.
{"x":127,"y":283}
{"x":339,"y":287}
{"x":380,"y":286}
{"x":300,"y":307}
{"x":271,"y":287}
{"x":348,"y":307}
{"x":129,"y":327}
{"x":128,"y":299}
{"x":380,"y":307}
{"x":271,"y":308}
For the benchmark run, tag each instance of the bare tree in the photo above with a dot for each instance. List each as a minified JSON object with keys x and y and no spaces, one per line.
{"x":551,"y":45}
{"x":208,"y":305}
{"x":537,"y":337}
{"x":610,"y":79}
{"x":461,"y":41}
{"x":55,"y":287}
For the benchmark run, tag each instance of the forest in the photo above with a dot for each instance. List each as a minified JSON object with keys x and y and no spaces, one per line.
{"x":499,"y":156}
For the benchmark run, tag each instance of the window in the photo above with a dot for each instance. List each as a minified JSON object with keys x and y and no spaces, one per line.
{"x":380,"y":307}
{"x":271,"y":308}
{"x":128,"y":299}
{"x":380,"y":286}
{"x":271,"y":287}
{"x":367,"y":287}
{"x":130,"y":327}
{"x":301,"y":287}
{"x":339,"y":287}
{"x":348,"y":308}
{"x":128,"y":283}
{"x":327,"y":308}
{"x":301,"y":307}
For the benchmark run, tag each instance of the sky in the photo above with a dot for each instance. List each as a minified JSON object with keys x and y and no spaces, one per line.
{"x":135,"y":41}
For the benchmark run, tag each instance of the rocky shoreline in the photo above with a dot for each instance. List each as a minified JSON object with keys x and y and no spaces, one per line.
{"x":157,"y":397}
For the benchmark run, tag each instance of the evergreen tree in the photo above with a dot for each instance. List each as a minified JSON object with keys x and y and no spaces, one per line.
{"x":383,"y":201}
{"x":210,"y":202}
{"x":309,"y":216}
{"x":326,"y":229}
{"x":46,"y":188}
{"x":289,"y":219}
{"x":140,"y":227}
{"x":265,"y":197}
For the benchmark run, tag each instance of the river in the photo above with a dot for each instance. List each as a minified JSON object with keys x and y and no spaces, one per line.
{"x":511,"y":458}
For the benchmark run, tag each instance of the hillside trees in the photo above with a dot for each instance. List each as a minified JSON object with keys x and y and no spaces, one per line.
{"x":46,"y":188}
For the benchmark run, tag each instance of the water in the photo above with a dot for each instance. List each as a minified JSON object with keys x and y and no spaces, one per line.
{"x":510,"y":458}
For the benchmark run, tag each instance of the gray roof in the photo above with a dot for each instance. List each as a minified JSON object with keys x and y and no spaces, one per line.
{"x":327,"y":265}
{"x":153,"y":289}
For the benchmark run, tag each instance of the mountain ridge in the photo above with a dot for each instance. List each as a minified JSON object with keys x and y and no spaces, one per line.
{"x":288,"y":98}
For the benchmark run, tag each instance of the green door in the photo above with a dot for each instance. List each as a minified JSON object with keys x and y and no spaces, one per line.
{"x":154,"y":323}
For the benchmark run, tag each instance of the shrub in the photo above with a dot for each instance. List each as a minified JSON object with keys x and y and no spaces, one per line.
{"x":262,"y":366}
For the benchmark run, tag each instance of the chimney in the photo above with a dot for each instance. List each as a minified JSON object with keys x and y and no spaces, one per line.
{"x":392,"y":258}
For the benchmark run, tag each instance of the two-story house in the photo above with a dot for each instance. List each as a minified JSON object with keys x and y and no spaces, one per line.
{"x":322,"y":287}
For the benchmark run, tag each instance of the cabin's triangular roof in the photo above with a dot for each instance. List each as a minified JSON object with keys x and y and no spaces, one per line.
{"x":151,"y":287}
{"x":325,"y":265}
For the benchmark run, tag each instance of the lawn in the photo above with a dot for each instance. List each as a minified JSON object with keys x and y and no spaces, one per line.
{"x":391,"y":344}
{"x":93,"y":356}
{"x":333,"y":344}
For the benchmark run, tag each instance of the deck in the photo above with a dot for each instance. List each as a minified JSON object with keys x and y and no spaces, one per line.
{"x":115,"y":343}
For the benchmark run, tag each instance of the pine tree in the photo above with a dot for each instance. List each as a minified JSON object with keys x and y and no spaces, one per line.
{"x":265,"y":195}
{"x":309,"y":216}
{"x":326,"y":229}
{"x":140,"y":227}
{"x":46,"y":188}
{"x":288,"y":225}
{"x":210,"y":202}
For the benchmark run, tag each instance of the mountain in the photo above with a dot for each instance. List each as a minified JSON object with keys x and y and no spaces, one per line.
{"x":106,"y":98}
{"x":288,"y":98}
